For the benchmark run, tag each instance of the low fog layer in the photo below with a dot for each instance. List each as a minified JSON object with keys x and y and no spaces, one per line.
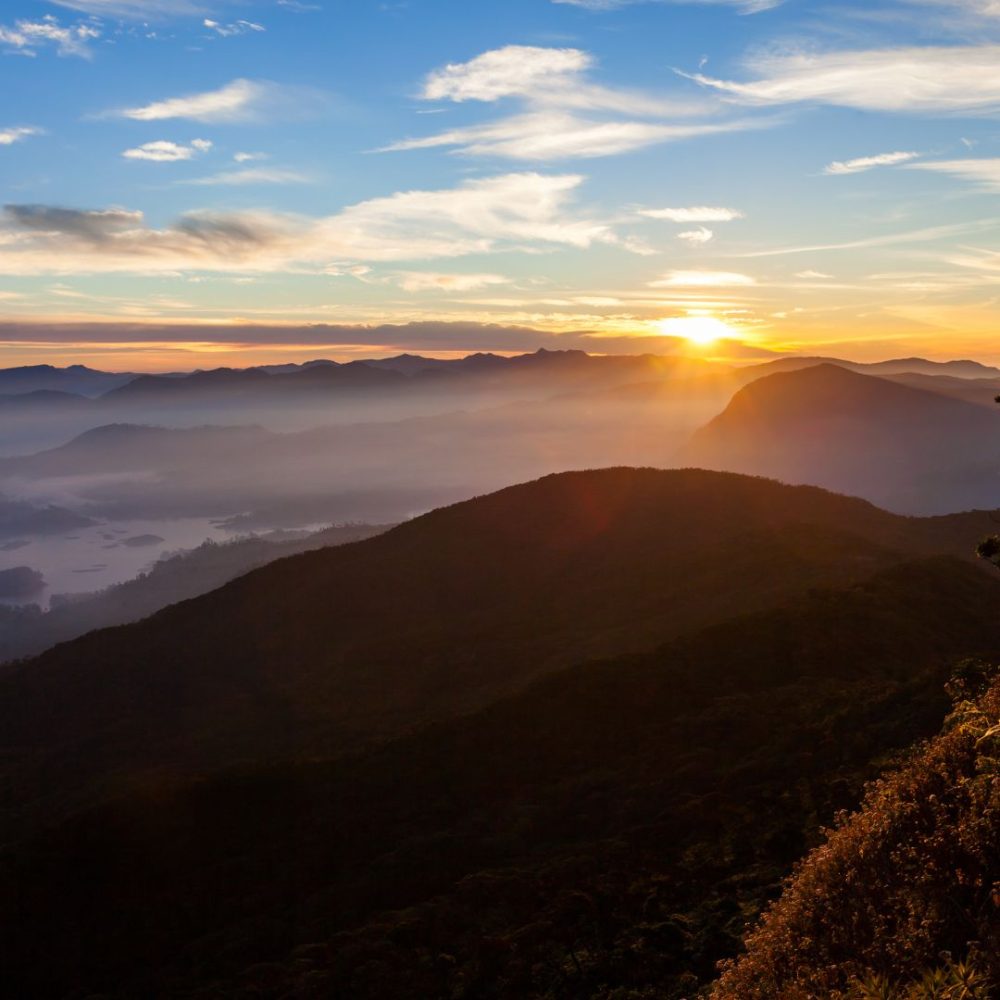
{"x":148,"y":465}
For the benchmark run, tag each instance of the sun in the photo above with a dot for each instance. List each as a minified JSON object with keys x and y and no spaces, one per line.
{"x":700,"y":330}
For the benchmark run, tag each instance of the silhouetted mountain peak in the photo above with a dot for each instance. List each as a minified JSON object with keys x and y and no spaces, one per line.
{"x":905,"y":448}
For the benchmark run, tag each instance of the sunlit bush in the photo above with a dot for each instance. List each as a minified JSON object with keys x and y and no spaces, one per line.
{"x":916,"y":872}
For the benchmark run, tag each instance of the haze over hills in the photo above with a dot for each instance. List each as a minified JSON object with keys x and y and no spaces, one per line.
{"x":496,"y":420}
{"x":296,"y":397}
{"x":483,"y":597}
{"x":894,"y":366}
{"x":76,"y":379}
{"x":648,"y":793}
{"x":909,"y":450}
{"x":27,"y":631}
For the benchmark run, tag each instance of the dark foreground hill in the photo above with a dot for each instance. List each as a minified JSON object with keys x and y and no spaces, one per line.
{"x":607,"y":832}
{"x":560,"y":741}
{"x":906,"y":449}
{"x":326,"y":651}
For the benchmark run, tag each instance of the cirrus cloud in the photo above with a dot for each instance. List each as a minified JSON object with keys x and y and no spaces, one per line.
{"x":524,"y":212}
{"x":249,"y":176}
{"x":155,"y":9}
{"x":743,"y":6}
{"x":696,"y":213}
{"x":863,"y":163}
{"x":426,"y":281}
{"x":550,"y":135}
{"x":26,"y":37}
{"x":233,"y":29}
{"x":984,"y":171}
{"x":238,"y":101}
{"x":703,"y":279}
{"x":165,"y":151}
{"x":697,"y":237}
{"x":931,"y":79}
{"x":554,"y":86}
{"x":8,"y":136}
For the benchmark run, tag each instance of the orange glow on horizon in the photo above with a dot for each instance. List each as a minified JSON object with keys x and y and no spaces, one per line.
{"x":700,"y":330}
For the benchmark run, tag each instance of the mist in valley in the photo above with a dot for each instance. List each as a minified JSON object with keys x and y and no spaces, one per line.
{"x":157,"y":465}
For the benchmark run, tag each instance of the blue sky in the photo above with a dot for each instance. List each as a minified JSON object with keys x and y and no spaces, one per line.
{"x":190,"y":177}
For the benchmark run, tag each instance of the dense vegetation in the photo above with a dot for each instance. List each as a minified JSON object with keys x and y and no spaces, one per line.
{"x":914,"y":874}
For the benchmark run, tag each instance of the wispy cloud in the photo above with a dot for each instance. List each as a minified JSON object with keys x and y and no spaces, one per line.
{"x":550,"y":77}
{"x":249,"y":157}
{"x":566,"y":114}
{"x":943,"y":80}
{"x":481,"y":215}
{"x":154,"y":9}
{"x":743,"y":6}
{"x":523,"y":212}
{"x":27,"y":37}
{"x":863,"y":163}
{"x":513,"y":71}
{"x":696,"y":213}
{"x":425,"y":281}
{"x":238,"y":101}
{"x":927,"y":235}
{"x":697,"y":237}
{"x":8,"y":136}
{"x":965,"y":13}
{"x":249,"y":176}
{"x":164,"y":151}
{"x":553,"y":135}
{"x":984,"y":172}
{"x":232,"y":29}
{"x":703,"y":279}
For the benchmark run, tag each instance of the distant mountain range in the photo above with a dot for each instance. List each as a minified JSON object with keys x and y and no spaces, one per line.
{"x":896,"y":366}
{"x":322,"y":375}
{"x":76,"y":379}
{"x":907,"y":449}
{"x":598,"y":715}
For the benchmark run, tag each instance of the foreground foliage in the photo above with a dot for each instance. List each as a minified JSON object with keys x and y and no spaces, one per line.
{"x":915,"y":873}
{"x":954,"y":981}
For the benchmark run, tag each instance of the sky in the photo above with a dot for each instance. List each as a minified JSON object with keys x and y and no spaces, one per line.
{"x":192,"y":183}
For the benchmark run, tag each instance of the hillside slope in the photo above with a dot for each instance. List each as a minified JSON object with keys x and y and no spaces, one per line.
{"x":323,"y":652}
{"x":906,"y":449}
{"x":611,"y":827}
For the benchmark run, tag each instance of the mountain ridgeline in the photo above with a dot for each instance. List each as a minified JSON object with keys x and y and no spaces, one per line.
{"x":562,"y":740}
{"x":907,"y":449}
